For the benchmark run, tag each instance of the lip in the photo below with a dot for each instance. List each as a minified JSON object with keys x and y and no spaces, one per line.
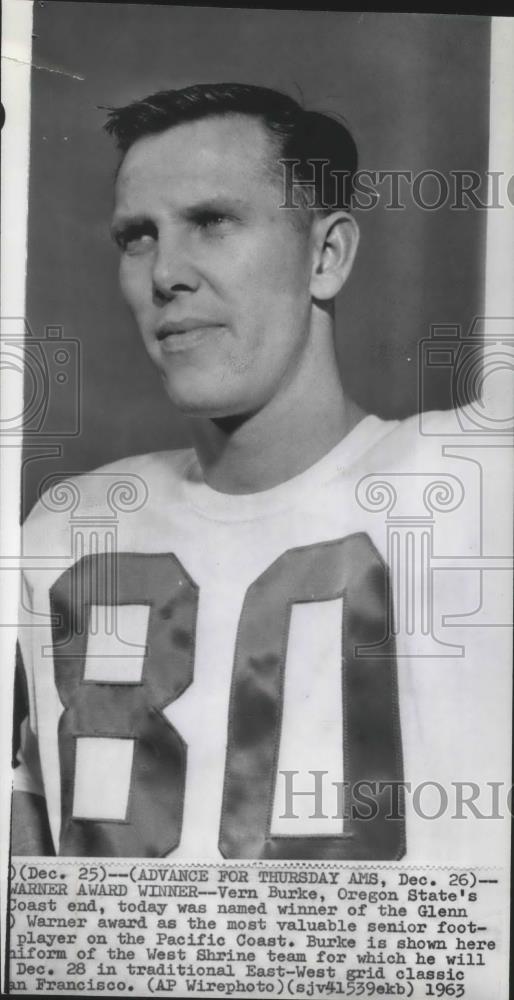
{"x":178,"y":328}
{"x":174,"y":337}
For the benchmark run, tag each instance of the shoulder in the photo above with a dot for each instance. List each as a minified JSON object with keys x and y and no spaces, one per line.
{"x":419,"y":460}
{"x":110,"y":491}
{"x":422,"y":427}
{"x":419,"y":441}
{"x":419,"y":471}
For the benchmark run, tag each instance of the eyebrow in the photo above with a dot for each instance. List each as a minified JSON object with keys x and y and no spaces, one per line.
{"x":213,"y":203}
{"x":121,"y":222}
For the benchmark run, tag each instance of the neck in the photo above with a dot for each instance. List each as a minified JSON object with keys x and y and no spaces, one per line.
{"x":302,"y":422}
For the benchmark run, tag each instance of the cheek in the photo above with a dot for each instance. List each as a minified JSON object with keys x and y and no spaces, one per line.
{"x":134,"y":284}
{"x":277,"y":307}
{"x":281,"y":269}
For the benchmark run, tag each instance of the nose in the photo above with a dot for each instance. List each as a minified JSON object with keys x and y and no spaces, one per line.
{"x":173,"y":270}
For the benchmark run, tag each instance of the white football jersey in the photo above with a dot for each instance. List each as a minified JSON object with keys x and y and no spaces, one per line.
{"x":300,"y":673}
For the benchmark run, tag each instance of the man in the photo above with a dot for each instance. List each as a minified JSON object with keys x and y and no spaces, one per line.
{"x":250,"y":665}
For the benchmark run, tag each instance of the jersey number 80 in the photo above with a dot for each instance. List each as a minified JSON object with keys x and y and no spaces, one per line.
{"x":350,"y":568}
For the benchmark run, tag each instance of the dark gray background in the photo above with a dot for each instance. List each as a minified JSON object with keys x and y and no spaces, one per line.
{"x":414,"y":89}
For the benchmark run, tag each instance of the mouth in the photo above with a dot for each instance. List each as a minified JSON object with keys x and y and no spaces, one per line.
{"x":174,"y":336}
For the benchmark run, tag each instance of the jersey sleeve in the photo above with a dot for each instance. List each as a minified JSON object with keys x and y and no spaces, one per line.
{"x":25,"y":753}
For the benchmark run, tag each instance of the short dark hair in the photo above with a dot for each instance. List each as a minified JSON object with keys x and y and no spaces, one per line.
{"x":302,"y":135}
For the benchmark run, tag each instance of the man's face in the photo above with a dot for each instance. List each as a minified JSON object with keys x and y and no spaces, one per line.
{"x":215,"y":273}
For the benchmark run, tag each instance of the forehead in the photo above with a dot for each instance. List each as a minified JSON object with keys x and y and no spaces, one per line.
{"x":233,"y":155}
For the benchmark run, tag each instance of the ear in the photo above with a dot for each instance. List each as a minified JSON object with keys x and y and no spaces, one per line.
{"x":335,"y":241}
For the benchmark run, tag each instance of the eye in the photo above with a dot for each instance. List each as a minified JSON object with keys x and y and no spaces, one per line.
{"x":136,"y":238}
{"x":211,"y":220}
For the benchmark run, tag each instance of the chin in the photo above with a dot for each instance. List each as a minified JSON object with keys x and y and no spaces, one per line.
{"x":200,"y":400}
